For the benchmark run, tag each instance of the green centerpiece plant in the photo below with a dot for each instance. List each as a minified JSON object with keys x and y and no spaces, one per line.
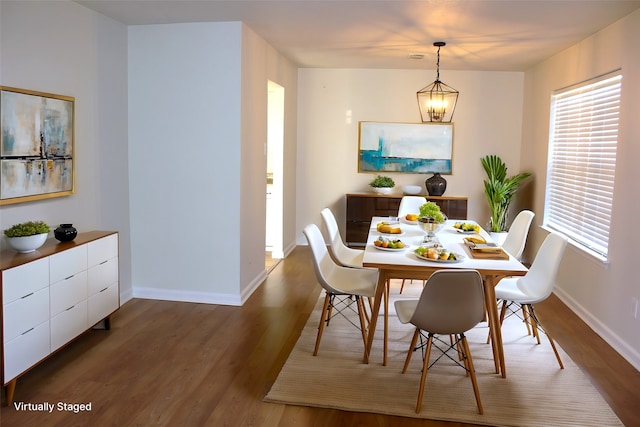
{"x":29,"y":228}
{"x":499,"y":190}
{"x":432,"y":211}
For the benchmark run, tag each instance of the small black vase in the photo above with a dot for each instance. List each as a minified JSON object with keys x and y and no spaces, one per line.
{"x":436,"y":185}
{"x":65,"y":233}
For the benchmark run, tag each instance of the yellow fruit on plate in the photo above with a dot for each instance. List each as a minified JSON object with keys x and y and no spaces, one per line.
{"x":411,"y":217}
{"x":476,"y":239}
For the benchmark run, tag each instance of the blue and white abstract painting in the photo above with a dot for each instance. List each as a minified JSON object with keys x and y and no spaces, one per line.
{"x":405,"y":147}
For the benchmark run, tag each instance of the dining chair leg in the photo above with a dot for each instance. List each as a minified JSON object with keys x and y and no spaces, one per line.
{"x":412,"y":348}
{"x":363,"y":327}
{"x":525,"y":316}
{"x":323,"y":318}
{"x":533,"y":321}
{"x":472,"y":371}
{"x":553,"y":346}
{"x":425,"y":367}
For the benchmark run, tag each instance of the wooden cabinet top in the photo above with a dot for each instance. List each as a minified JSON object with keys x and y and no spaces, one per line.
{"x":10,"y":258}
{"x":399,"y":196}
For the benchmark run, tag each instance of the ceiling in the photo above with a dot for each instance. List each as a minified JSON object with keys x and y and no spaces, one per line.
{"x":490,"y":35}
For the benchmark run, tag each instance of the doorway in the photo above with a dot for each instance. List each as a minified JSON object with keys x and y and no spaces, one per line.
{"x":274,"y":181}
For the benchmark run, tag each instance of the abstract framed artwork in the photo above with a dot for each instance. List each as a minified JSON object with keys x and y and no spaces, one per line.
{"x":405,"y":147}
{"x":36,"y":145}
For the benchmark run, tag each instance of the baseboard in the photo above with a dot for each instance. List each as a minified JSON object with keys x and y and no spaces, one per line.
{"x":186,"y":296}
{"x":611,"y":338}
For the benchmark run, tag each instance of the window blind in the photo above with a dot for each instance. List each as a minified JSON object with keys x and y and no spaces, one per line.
{"x":582,"y":162}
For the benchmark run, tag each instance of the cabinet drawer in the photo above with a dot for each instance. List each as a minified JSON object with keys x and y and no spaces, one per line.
{"x":25,"y":351}
{"x":68,"y":292}
{"x":25,"y":279}
{"x":67,"y":263}
{"x":103,"y":304}
{"x":68,"y":325}
{"x":103,"y":249}
{"x":25,"y":313}
{"x":103,"y":275}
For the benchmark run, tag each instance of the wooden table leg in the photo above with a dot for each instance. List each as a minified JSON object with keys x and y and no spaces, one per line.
{"x":494,"y":325}
{"x":380,"y":291}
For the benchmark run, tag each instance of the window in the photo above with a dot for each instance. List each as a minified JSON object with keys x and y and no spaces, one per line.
{"x":582,"y":162}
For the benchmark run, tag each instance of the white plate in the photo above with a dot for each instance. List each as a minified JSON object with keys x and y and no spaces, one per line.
{"x":465,"y":232}
{"x":406,"y":221}
{"x":391,"y":249}
{"x":382,"y":233}
{"x":459,"y":258}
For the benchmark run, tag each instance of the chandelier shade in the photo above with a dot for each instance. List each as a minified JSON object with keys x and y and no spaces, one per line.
{"x":437,"y":101}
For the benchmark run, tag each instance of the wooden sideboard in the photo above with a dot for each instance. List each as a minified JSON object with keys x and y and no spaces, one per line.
{"x":53,"y":295}
{"x":362,"y":206}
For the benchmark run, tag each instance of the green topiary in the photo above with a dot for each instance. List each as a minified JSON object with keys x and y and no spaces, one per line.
{"x":382,"y":182}
{"x":29,"y":228}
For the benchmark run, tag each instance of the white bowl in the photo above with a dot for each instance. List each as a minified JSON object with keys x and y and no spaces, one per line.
{"x":382,"y":190}
{"x":27,"y":244}
{"x":411,"y":189}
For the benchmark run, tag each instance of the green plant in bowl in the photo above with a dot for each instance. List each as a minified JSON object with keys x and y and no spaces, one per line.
{"x":432,"y":211}
{"x":29,"y":228}
{"x":382,"y":182}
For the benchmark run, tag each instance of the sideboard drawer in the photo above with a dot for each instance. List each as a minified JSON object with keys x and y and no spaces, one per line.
{"x":103,"y":275}
{"x":103,"y":249}
{"x":68,"y":263}
{"x":25,"y":313}
{"x":68,"y":292}
{"x":26,"y":350}
{"x":24,"y":279}
{"x":102,"y":304}
{"x":68,"y":325}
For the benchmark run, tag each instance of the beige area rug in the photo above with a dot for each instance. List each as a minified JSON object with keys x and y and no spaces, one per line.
{"x":536,"y":391}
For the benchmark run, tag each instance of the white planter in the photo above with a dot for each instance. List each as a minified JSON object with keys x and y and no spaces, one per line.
{"x":498,"y":237}
{"x":27,"y":244}
{"x":382,"y":190}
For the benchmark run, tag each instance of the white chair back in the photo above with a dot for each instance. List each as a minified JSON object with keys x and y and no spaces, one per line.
{"x":517,"y":235}
{"x":323,"y":264}
{"x":452,"y":302}
{"x":410,"y":205}
{"x":343,"y":254}
{"x":539,"y":281}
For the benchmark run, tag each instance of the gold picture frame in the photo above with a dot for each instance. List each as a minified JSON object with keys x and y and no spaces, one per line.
{"x":36,"y":145}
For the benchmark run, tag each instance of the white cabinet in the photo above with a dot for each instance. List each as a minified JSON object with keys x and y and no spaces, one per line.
{"x":54,"y":295}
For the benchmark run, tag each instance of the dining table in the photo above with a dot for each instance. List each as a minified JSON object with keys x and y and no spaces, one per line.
{"x":406,"y":264}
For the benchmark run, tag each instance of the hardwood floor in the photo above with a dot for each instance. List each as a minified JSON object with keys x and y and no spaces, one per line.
{"x":172,"y":363}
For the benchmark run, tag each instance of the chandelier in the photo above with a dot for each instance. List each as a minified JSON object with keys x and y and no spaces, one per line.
{"x":437,"y":101}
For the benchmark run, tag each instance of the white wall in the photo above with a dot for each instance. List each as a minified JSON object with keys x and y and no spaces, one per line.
{"x":79,"y":53}
{"x":198,"y":102}
{"x":601,"y":295}
{"x":487,"y":120}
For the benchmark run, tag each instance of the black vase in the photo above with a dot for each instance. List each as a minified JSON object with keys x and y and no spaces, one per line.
{"x":436,"y":185}
{"x":65,"y":233}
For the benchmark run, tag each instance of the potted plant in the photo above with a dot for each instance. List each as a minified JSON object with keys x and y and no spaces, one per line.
{"x":499,"y":190}
{"x":27,"y":236}
{"x":382,"y":184}
{"x":431,"y":218}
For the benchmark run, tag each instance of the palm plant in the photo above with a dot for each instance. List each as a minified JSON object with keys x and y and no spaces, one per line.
{"x":499,"y":190}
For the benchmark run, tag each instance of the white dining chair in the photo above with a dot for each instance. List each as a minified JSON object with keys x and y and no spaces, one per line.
{"x":410,"y":205}
{"x":344,"y":255}
{"x":534,"y":287}
{"x":517,"y":236}
{"x":441,"y":311}
{"x":343,"y":286}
